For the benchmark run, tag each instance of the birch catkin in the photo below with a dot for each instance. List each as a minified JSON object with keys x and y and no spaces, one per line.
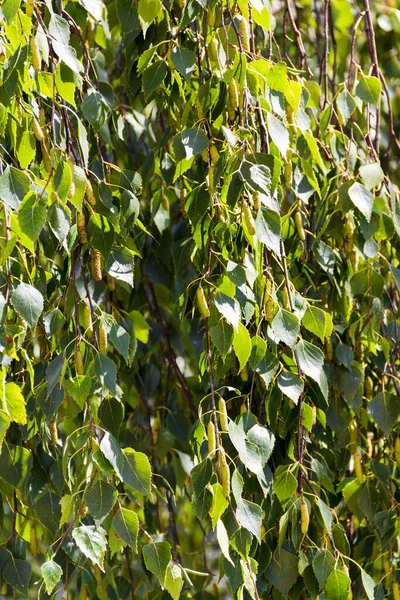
{"x":305,"y":517}
{"x":299,"y":225}
{"x":202,"y":303}
{"x":103,"y":344}
{"x":233,"y":99}
{"x":79,"y":362}
{"x":225,"y":474}
{"x":36,"y":60}
{"x":97,"y":273}
{"x":81,"y":225}
{"x":211,"y":437}
{"x":53,"y":432}
{"x":248,"y":219}
{"x":223,"y":415}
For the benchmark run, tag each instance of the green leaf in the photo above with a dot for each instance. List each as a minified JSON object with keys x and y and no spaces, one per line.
{"x":100,"y":499}
{"x":261,"y":15}
{"x":18,"y":573}
{"x":344,"y":355}
{"x":66,"y":504}
{"x":258,"y":351}
{"x":248,"y":452}
{"x":184,"y":61}
{"x":190,"y":143}
{"x":156,"y":558}
{"x":229,"y":308}
{"x":120,"y":264}
{"x":368,"y":584}
{"x":249,"y":516}
{"x":15,"y":465}
{"x":242,"y":345}
{"x":318,"y":322}
{"x":59,"y":32}
{"x":79,"y":389}
{"x":283,"y":572}
{"x":346,"y":105}
{"x":322,"y":565}
{"x":279,"y":134}
{"x":222,"y":337}
{"x":106,"y":372}
{"x":372,"y":175}
{"x":91,"y":541}
{"x":219,"y":503}
{"x":4,"y":425}
{"x":148,"y":11}
{"x":268,"y":229}
{"x":285,"y":327}
{"x":14,"y":185}
{"x":62,"y":180}
{"x":121,"y":340}
{"x":277,"y":78}
{"x":173,"y":582}
{"x":337,"y":586}
{"x":202,"y":496}
{"x":65,"y":83}
{"x":9,"y":9}
{"x":48,"y":510}
{"x":263,"y":439}
{"x":326,"y":515}
{"x":369,"y":89}
{"x":258,"y":177}
{"x":113,"y":453}
{"x":369,"y":500}
{"x":241,"y":541}
{"x":267,"y":368}
{"x":59,"y":221}
{"x":291,"y":385}
{"x":53,"y":321}
{"x":14,"y":403}
{"x":285,"y":484}
{"x":26,"y":149}
{"x":311,"y":359}
{"x":223,"y":540}
{"x":126,"y":525}
{"x":153,"y":76}
{"x":127,"y":15}
{"x":136,"y":471}
{"x":362,"y":198}
{"x":51,"y":573}
{"x":307,"y":416}
{"x":28,"y":302}
{"x":367,"y":281}
{"x":100,"y":234}
{"x":385,"y":410}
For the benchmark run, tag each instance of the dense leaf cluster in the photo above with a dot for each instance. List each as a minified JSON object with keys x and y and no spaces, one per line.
{"x":199,"y":299}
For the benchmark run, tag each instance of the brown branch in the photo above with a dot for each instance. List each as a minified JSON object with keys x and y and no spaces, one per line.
{"x":299,"y":40}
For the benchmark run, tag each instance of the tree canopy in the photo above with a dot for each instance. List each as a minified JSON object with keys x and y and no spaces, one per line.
{"x":199,"y":299}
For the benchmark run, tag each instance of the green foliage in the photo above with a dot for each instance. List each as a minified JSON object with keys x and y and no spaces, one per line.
{"x":199,"y":208}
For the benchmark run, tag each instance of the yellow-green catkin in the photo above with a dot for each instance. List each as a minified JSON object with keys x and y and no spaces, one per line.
{"x":223,"y":415}
{"x":81,"y":225}
{"x":202,"y":303}
{"x":97,"y":272}
{"x":225,"y":474}
{"x":233,"y":99}
{"x":248,"y":219}
{"x":305,"y":517}
{"x":35,"y":54}
{"x":211,"y":437}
